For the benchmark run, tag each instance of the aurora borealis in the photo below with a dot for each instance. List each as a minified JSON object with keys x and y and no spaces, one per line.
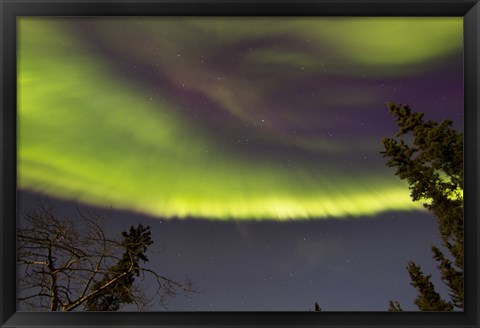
{"x":250,"y":145}
{"x":228,"y":118}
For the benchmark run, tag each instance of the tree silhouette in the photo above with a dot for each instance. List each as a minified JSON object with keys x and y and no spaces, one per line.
{"x":135,"y":243}
{"x":394,"y":306}
{"x":67,"y":264}
{"x":432,"y":164}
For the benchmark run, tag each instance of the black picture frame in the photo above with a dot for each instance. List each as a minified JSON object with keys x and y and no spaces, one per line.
{"x":10,"y":10}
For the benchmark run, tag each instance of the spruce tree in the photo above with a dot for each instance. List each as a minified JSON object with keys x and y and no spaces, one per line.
{"x":394,"y":306}
{"x":135,"y":243}
{"x":432,"y":164}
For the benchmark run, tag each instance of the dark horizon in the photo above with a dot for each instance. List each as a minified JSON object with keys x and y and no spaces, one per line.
{"x":272,"y":248}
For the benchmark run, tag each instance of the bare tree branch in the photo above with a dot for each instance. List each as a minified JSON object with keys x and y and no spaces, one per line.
{"x":66,"y":263}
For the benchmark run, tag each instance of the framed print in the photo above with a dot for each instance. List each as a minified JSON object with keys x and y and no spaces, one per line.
{"x":224,"y":163}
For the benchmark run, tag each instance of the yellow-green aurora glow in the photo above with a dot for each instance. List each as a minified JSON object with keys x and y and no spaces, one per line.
{"x":190,"y":117}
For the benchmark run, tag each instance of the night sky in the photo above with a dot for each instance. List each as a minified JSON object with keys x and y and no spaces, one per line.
{"x":249,"y":145}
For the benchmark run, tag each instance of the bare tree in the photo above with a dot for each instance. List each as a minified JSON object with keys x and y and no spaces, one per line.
{"x":70,"y":264}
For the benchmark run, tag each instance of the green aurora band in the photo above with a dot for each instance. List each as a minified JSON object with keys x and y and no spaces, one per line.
{"x":84,"y":134}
